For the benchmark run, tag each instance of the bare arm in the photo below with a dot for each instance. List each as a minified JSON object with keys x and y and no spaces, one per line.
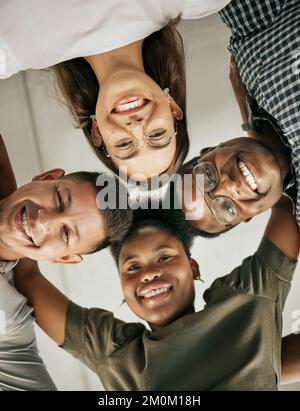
{"x":49,"y":304}
{"x":282,"y":228}
{"x":290,"y":359}
{"x":7,"y":179}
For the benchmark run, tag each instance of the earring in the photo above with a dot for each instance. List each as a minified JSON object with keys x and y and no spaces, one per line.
{"x":93,"y":117}
{"x":167,"y":92}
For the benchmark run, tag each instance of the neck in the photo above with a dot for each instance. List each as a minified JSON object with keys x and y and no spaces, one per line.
{"x":270,"y":139}
{"x":156,"y":328}
{"x":124,"y":58}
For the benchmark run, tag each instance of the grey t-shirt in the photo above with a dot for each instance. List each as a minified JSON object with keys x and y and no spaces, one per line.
{"x":21,"y":367}
{"x":233,"y":344}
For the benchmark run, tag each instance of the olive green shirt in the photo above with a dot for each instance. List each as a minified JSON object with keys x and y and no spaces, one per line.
{"x":234,"y":343}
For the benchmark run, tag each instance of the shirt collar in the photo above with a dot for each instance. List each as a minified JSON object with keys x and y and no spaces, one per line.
{"x":6,"y":266}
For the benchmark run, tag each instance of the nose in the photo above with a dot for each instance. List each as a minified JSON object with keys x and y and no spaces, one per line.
{"x":151,"y":274}
{"x":135,"y":121}
{"x":136,"y":127}
{"x":227,"y":187}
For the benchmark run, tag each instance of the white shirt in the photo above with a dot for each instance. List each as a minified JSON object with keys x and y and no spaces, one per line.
{"x":36,"y":34}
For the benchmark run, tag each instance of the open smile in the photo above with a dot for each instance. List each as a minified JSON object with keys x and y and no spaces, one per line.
{"x":129,"y":105}
{"x":250,"y":180}
{"x":23,"y":226}
{"x":246,"y":175}
{"x":156,"y":293}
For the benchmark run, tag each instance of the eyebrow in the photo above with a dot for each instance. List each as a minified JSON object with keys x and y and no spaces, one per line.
{"x":69,"y":195}
{"x":77,"y":233}
{"x":158,"y":248}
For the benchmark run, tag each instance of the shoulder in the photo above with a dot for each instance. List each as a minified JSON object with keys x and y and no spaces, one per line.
{"x":262,"y":274}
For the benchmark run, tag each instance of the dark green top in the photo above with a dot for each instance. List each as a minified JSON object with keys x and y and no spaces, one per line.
{"x":233,"y":344}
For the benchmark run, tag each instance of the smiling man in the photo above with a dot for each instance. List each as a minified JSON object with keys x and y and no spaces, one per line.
{"x":243,"y":177}
{"x":246,"y":176}
{"x":54,"y":218}
{"x":265,"y":75}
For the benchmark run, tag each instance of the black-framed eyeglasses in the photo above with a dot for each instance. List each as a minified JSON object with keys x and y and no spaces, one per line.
{"x":223,"y":208}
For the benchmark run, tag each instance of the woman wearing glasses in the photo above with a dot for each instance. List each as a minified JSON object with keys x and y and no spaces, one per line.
{"x":120,"y":67}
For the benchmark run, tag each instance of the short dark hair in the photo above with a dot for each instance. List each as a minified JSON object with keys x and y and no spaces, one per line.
{"x":171,"y":221}
{"x":117,"y":221}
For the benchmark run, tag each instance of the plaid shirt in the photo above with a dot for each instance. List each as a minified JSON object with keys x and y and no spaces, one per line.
{"x":265,"y":43}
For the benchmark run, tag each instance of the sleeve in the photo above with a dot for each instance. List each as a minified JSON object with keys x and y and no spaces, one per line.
{"x":21,"y":367}
{"x":278,"y":86}
{"x":91,"y":335}
{"x":268,"y":273}
{"x":13,"y":307}
{"x":197,"y":9}
{"x":250,"y":16}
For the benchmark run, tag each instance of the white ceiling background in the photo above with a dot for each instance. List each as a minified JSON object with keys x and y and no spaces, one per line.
{"x":39,"y":135}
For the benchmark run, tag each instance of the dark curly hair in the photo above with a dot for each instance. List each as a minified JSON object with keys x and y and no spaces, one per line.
{"x":171,"y":221}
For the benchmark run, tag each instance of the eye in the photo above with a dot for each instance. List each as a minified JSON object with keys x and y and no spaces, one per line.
{"x":60,"y":202}
{"x":165,"y":258}
{"x":229,"y":208}
{"x":124,"y":144}
{"x":133,"y":267}
{"x":210,"y":174}
{"x":157,"y":134}
{"x":66,"y":235}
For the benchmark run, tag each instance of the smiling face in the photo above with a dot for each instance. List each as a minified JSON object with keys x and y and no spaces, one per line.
{"x":157,"y":277}
{"x":51,"y":218}
{"x":248,"y":174}
{"x":131,"y":110}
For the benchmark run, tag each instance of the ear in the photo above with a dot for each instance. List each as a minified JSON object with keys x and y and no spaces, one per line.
{"x":195,"y":269}
{"x":54,"y":174}
{"x":248,"y":220}
{"x":176,"y":110}
{"x":96,"y":135}
{"x":69,"y":259}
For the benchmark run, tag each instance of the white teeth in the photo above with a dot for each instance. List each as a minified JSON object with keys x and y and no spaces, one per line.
{"x":156,"y":292}
{"x":130,"y":105}
{"x":25,"y":224}
{"x":248,"y":175}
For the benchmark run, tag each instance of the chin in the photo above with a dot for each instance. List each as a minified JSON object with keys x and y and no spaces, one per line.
{"x":161,"y":320}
